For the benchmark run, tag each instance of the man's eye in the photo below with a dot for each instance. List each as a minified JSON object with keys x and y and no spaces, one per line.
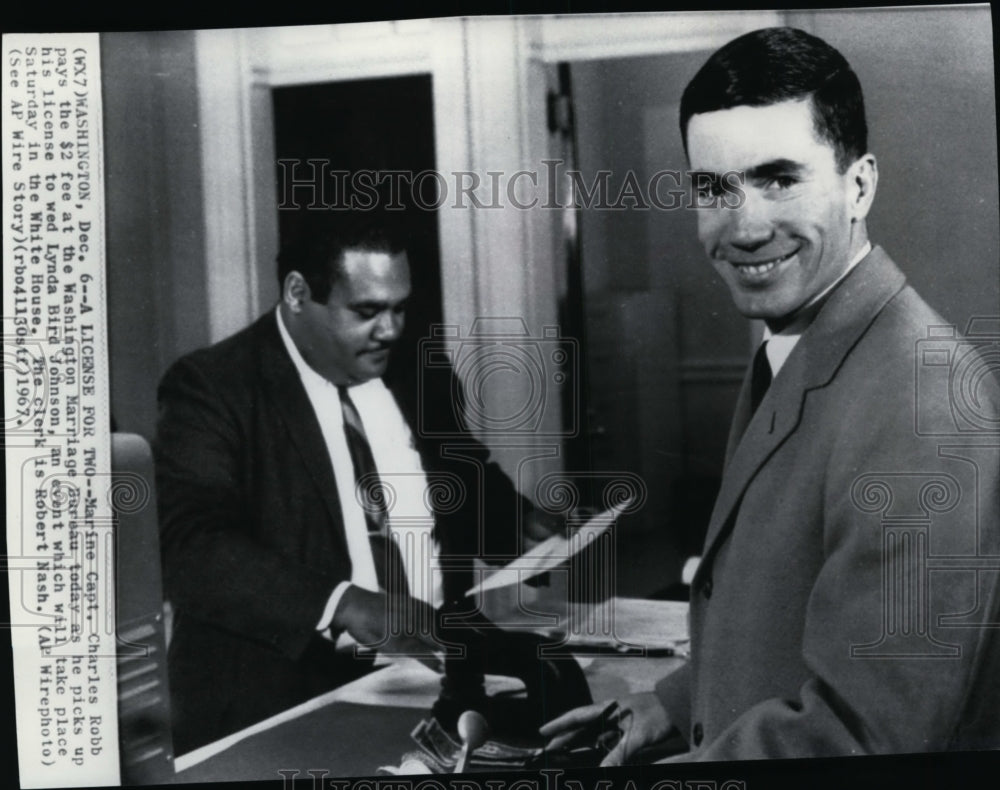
{"x":709,"y":189}
{"x":366,"y":313}
{"x":782,"y":182}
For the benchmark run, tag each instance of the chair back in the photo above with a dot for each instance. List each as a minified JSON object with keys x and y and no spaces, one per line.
{"x":146,"y":747}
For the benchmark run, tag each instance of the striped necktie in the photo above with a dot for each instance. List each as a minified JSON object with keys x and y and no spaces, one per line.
{"x":389,"y":567}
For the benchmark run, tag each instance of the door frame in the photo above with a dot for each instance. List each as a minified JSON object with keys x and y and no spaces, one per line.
{"x":489,"y":86}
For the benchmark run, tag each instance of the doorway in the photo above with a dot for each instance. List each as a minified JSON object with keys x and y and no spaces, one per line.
{"x":665,"y":350}
{"x":378,"y":126}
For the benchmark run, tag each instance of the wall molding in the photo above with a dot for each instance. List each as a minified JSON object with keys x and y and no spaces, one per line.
{"x":599,"y":36}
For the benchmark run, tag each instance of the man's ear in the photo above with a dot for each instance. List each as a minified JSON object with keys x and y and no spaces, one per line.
{"x":295,"y":291}
{"x":863,"y":179}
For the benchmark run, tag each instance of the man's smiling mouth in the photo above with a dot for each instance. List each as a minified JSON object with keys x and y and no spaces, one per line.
{"x":759,"y":268}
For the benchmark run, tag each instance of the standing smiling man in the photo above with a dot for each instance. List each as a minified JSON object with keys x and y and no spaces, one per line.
{"x":816,"y":626}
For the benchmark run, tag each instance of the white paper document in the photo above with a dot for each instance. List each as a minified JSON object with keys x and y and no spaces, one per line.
{"x":550,"y":553}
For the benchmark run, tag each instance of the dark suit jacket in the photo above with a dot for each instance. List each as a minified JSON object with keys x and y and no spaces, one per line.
{"x":251,"y":527}
{"x":820,"y":623}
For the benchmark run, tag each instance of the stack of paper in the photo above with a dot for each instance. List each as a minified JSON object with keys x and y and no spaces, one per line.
{"x":653,"y":625}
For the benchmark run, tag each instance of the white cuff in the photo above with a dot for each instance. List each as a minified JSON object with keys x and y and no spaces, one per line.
{"x":331,"y":605}
{"x":689,"y":570}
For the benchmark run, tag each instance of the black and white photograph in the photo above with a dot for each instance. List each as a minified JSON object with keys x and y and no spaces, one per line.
{"x":548,"y":399}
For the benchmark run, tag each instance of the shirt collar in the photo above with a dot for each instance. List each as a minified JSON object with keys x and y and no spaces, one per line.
{"x":312,"y":380}
{"x":309,"y":376}
{"x":780,"y":344}
{"x":790,"y":332}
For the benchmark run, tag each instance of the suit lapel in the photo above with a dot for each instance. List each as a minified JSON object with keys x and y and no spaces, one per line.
{"x":741,"y":417}
{"x":812,"y":364}
{"x":282,"y":385}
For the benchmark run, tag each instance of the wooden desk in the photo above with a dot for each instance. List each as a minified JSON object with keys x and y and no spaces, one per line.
{"x":344,"y":738}
{"x":348,"y":739}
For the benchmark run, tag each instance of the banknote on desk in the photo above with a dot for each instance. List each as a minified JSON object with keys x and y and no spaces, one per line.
{"x":438,"y":752}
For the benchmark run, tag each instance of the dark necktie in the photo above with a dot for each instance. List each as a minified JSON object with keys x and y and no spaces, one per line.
{"x":760,"y":378}
{"x":389,"y":567}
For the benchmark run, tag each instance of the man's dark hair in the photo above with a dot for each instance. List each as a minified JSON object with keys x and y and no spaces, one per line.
{"x":315,"y":246}
{"x":779,"y":64}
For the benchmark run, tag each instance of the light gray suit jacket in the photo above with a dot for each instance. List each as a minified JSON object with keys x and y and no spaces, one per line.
{"x":844,"y":598}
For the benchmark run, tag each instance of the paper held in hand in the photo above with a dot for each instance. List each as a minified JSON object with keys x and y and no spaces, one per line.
{"x":550,"y":553}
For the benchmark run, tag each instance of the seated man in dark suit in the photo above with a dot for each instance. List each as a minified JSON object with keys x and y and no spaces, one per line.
{"x":817,"y":625}
{"x":284,"y":454}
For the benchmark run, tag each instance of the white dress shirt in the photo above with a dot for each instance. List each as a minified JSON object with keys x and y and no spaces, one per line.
{"x":398,"y":463}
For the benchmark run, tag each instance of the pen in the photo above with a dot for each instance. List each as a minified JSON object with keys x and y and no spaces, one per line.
{"x":587,"y":734}
{"x":648,"y":652}
{"x":611,"y":708}
{"x":632,"y":651}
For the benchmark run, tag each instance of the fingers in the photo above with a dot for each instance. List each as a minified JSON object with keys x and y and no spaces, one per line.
{"x":573,"y":718}
{"x":560,"y":740}
{"x":396,"y":624}
{"x":636,"y":732}
{"x":622,"y":750}
{"x":410,"y":617}
{"x":616,"y":756}
{"x":411,"y":634}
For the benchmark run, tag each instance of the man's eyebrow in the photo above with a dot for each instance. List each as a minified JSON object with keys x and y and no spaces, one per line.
{"x":775,"y":167}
